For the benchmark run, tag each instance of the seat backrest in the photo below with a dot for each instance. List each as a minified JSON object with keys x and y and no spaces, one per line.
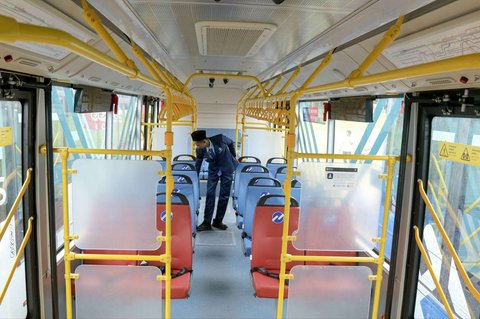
{"x":267,"y":232}
{"x":246,"y":174}
{"x":280,"y":173}
{"x":257,"y":188}
{"x":184,"y":158}
{"x":242,"y":162}
{"x":182,"y":185}
{"x":274,"y":163}
{"x":180,"y":229}
{"x":296,"y":190}
{"x":188,"y":169}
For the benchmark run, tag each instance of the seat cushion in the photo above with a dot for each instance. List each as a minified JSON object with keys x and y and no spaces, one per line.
{"x":266,"y":287}
{"x":180,"y":286}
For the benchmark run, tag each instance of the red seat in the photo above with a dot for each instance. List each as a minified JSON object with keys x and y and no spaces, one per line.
{"x":181,"y":247}
{"x":267,"y":244}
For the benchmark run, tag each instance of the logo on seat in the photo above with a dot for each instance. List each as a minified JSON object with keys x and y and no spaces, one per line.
{"x":264,"y":194}
{"x":277,"y":217}
{"x":181,"y":179}
{"x":163,"y":216}
{"x":175,"y":190}
{"x":185,"y":167}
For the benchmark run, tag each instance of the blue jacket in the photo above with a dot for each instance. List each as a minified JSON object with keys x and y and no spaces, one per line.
{"x":224,"y":159}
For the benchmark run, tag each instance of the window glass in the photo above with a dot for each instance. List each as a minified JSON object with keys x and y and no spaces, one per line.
{"x":81,"y":130}
{"x":311,"y":130}
{"x":125,"y":123}
{"x":11,"y":172}
{"x":383,"y":136}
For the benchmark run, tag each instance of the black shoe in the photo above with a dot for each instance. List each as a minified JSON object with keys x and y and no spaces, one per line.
{"x":204,"y":227}
{"x":219,"y":225}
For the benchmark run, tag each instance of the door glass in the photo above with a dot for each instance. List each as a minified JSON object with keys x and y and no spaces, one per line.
{"x":14,"y":304}
{"x":454,"y":190}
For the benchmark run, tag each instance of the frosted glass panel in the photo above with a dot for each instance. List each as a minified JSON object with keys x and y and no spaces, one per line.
{"x":114,"y":204}
{"x":338,"y":292}
{"x":118,"y":292}
{"x":340,"y":206}
{"x":264,"y":144}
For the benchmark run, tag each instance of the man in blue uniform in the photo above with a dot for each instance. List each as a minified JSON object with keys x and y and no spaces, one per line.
{"x":219,"y":151}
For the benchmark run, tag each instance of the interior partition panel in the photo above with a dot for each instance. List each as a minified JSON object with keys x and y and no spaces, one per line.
{"x":114,"y":204}
{"x":340,"y":206}
{"x":118,"y":292}
{"x":317,"y":292}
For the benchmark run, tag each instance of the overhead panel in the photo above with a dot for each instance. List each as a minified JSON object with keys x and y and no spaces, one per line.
{"x":42,"y":14}
{"x":455,"y":38}
{"x":224,"y":38}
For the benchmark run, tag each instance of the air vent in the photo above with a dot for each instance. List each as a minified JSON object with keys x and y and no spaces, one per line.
{"x":441,"y":81}
{"x":224,"y":38}
{"x":94,"y":79}
{"x":114,"y":84}
{"x":27,"y":62}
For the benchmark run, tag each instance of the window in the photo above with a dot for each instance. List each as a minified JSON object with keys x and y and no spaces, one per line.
{"x":11,"y":172}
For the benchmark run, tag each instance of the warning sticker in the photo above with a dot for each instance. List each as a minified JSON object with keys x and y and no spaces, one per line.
{"x":461,"y":153}
{"x":340,"y":177}
{"x":6,"y":136}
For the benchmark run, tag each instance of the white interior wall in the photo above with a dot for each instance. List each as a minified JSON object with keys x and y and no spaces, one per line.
{"x":182,"y":143}
{"x":216,"y":107}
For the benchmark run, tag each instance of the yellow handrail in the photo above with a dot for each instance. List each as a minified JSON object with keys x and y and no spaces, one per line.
{"x":448,"y":243}
{"x":13,"y":209}
{"x":432,"y":273}
{"x":17,"y":259}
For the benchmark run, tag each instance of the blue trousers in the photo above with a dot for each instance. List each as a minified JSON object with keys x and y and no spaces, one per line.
{"x":225,"y":186}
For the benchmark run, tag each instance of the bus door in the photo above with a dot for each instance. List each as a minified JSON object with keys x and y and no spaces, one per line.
{"x":17,"y":109}
{"x":448,"y":162}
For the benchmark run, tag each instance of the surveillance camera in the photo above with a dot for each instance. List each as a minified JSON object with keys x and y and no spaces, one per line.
{"x":211,"y":80}
{"x":225,"y":81}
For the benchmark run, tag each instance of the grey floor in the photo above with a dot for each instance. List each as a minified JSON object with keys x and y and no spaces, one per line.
{"x":221,"y":283}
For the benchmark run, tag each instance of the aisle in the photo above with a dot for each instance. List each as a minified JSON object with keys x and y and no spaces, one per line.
{"x":221,"y":284}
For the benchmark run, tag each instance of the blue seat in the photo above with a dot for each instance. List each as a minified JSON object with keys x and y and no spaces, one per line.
{"x":188,"y":169}
{"x":282,"y":173}
{"x":242,"y":162}
{"x":182,"y":185}
{"x":256,"y":189}
{"x":274,"y":163}
{"x":184,"y":158}
{"x":296,"y":189}
{"x":246,"y":174}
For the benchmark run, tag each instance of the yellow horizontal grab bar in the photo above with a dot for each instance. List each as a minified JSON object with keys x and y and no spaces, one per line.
{"x":163,"y":153}
{"x":17,"y":259}
{"x":13,"y":31}
{"x":448,"y":243}
{"x":432,"y":273}
{"x":347,"y":156}
{"x":17,"y":201}
{"x":161,"y":258}
{"x":465,"y":62}
{"x":331,"y":258}
{"x":264,"y":128}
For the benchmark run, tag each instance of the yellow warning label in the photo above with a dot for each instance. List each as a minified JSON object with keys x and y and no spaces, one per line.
{"x":6,"y":137}
{"x":461,"y":153}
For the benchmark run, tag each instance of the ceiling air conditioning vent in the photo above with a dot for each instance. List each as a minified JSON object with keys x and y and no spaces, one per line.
{"x":27,"y":62}
{"x":224,"y":38}
{"x":361,"y":89}
{"x":441,"y":81}
{"x":94,"y":79}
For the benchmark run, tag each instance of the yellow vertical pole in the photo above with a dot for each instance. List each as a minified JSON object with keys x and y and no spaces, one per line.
{"x":168,"y":202}
{"x":381,"y":254}
{"x":66,"y":234}
{"x":287,"y":186}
